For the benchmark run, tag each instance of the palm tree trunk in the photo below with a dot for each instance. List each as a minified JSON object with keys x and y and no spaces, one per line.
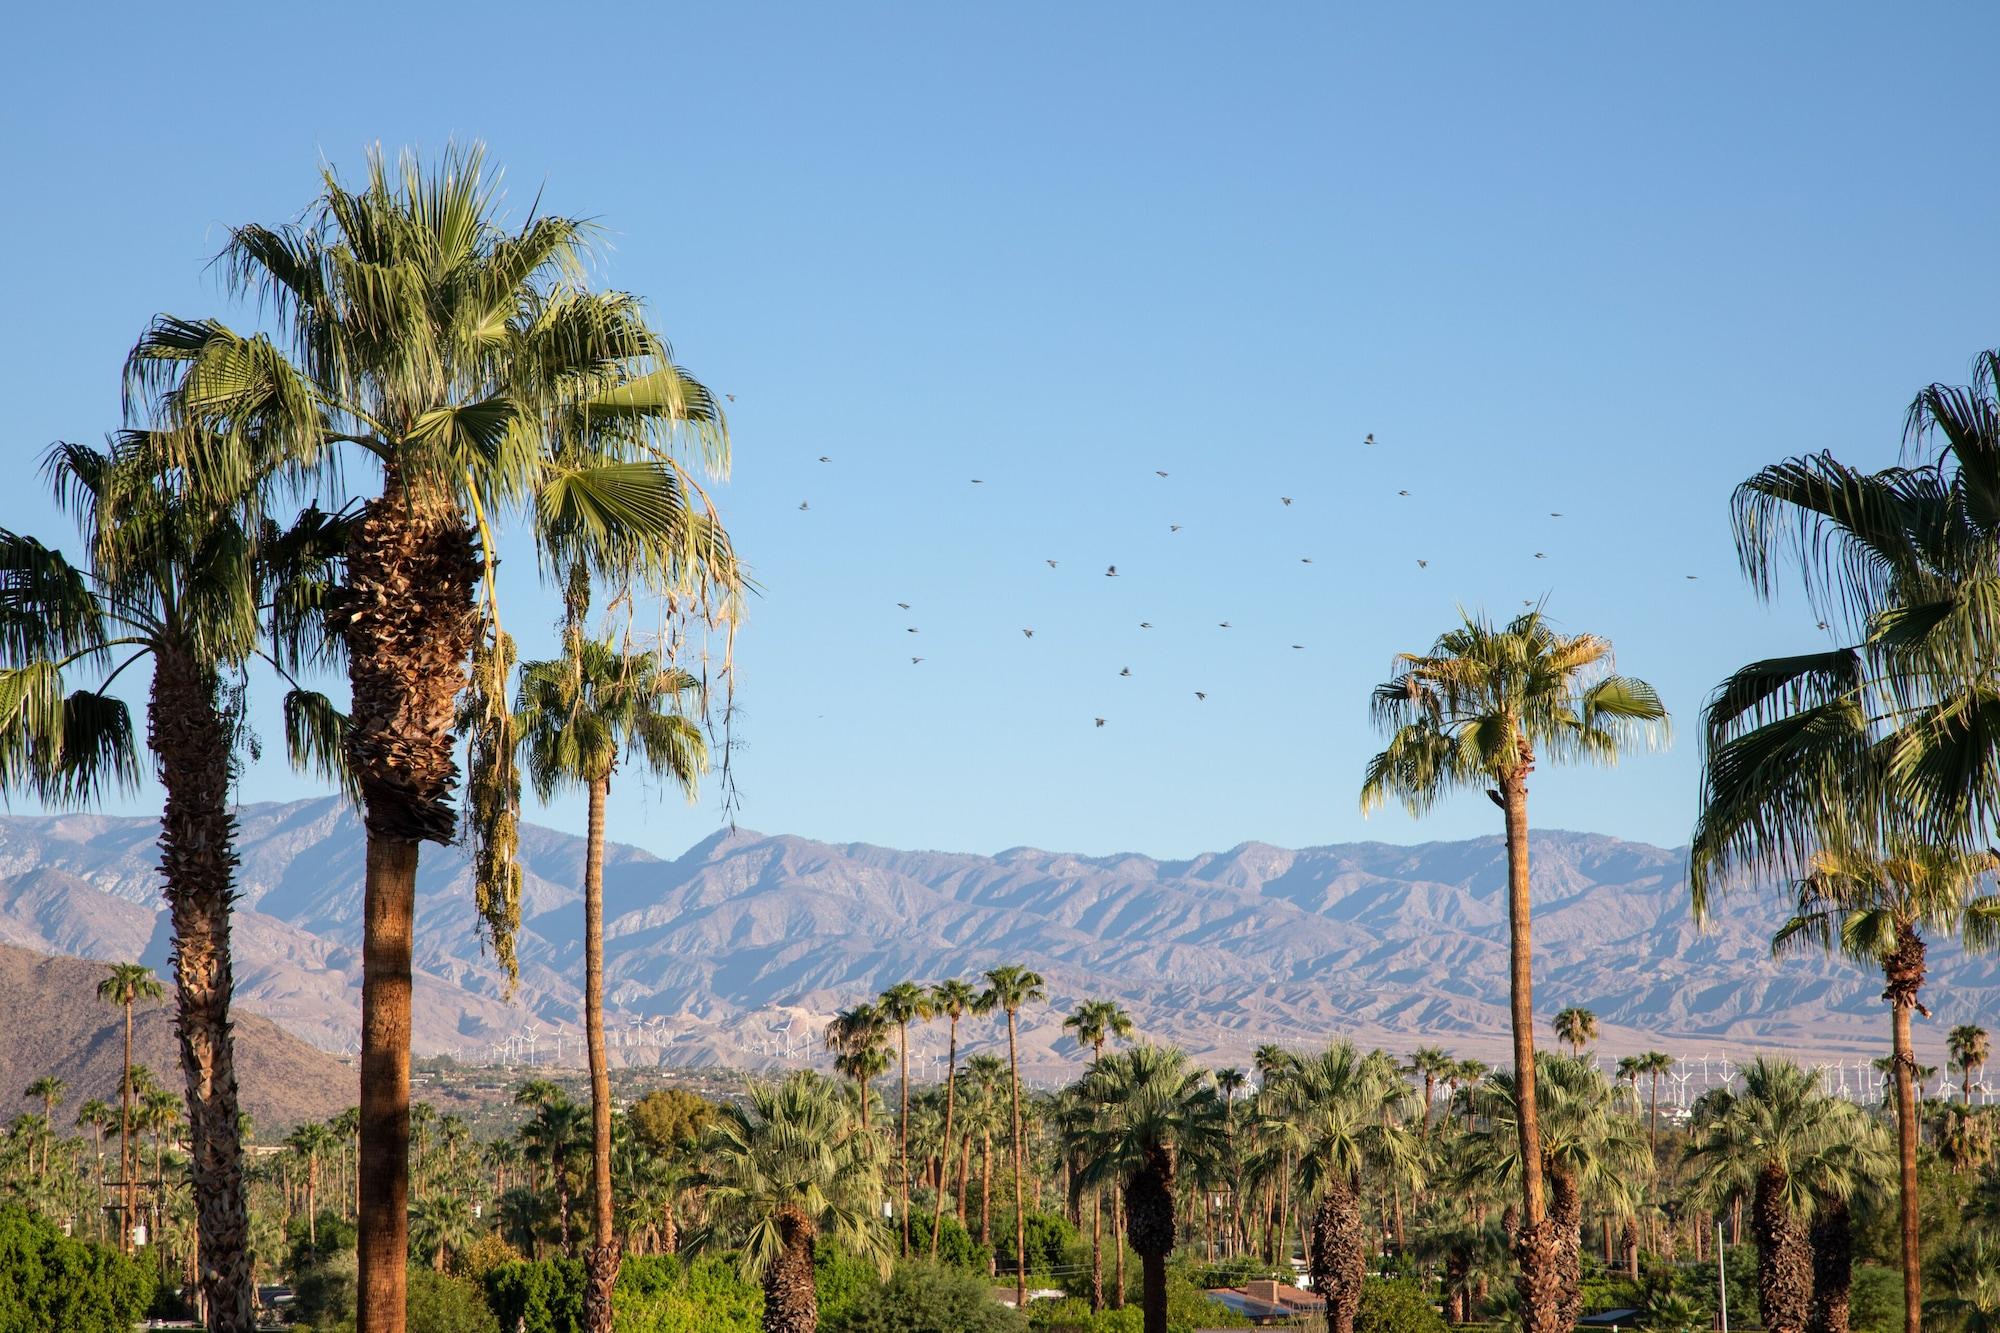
{"x":1096,"y":1250}
{"x":1118,"y":1232}
{"x":601,"y":1263}
{"x":986,"y":1201}
{"x":1653,"y":1117}
{"x":903,"y":1134}
{"x":1536,"y":1250}
{"x":407,"y":616}
{"x":1784,"y":1261}
{"x":944,"y":1148}
{"x":312,"y":1200}
{"x":791,"y":1305}
{"x":389,"y":910}
{"x":1020,"y":1215}
{"x":1904,"y":971}
{"x":197,"y":863}
{"x":1335,"y":1259}
{"x":964,"y":1175}
{"x":1149,"y":1227}
{"x":1565,"y":1230}
{"x":128,"y":1203}
{"x":1832,"y":1240}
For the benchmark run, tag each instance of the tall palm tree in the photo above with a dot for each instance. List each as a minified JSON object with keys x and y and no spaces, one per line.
{"x":1968,"y":1043}
{"x":858,"y":1038}
{"x":1160,"y":1115}
{"x":1969,"y":1282}
{"x":1577,"y":1028}
{"x":551,"y":1139}
{"x":97,"y":1116}
{"x":1479,"y":710}
{"x":1009,"y":988}
{"x":1432,"y":1064}
{"x":953,"y":998}
{"x":579,"y":717}
{"x":1656,"y":1065}
{"x":1885,"y":736}
{"x":310,"y":1142}
{"x":1756,"y":1145}
{"x":983,"y":1115}
{"x":1339,"y":1097}
{"x":471,"y":364}
{"x":1092,"y":1024}
{"x":1844,"y":1169}
{"x":125,"y":986}
{"x":49,"y":1090}
{"x":1875,"y":909}
{"x":901,"y":1005}
{"x":788,"y":1166}
{"x":187,"y":581}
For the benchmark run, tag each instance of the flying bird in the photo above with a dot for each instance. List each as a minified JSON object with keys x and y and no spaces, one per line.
{"x":1199,"y":695}
{"x":1051,"y":564}
{"x":1030,"y":633}
{"x":1402,"y":492}
{"x":913,"y":629}
{"x":1145,"y":624}
{"x":824,"y":459}
{"x":1111,"y":571}
{"x":1223,"y":625}
{"x":1541,"y":555}
{"x":1298,"y":645}
{"x":1173,"y":527}
{"x":803,"y":506}
{"x":915,"y":660}
{"x":1423,"y":564}
{"x":1694,"y":576}
{"x":730,"y":396}
{"x":1158,"y":473}
{"x":1822,"y":624}
{"x":1370,"y":439}
{"x":976,"y":481}
{"x":1100,"y":721}
{"x":1126,"y":672}
{"x":1555,"y":513}
{"x":903,"y":605}
{"x":1305,"y":560}
{"x":1286,"y":498}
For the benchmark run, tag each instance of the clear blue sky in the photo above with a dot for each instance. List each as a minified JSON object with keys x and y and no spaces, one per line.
{"x":1598,"y":260}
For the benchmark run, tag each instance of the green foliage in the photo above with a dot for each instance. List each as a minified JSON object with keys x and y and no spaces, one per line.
{"x":1396,"y":1306}
{"x":49,"y":1281}
{"x":924,"y":1298}
{"x":438,"y":1303}
{"x":842,"y":1280}
{"x":1072,"y":1315}
{"x":668,"y":1120}
{"x":540,"y":1297}
{"x":303,"y":1252}
{"x":1875,"y":1301}
{"x":1051,"y":1241}
{"x":660,"y":1294}
{"x":956,"y":1246}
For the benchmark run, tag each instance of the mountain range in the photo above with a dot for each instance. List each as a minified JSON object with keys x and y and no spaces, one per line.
{"x":738,"y":950}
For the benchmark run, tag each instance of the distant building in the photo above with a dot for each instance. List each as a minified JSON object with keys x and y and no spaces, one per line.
{"x":1268,"y":1302}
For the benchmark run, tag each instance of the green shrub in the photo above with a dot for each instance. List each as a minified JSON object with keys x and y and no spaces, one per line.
{"x":1072,"y":1315}
{"x":956,"y":1246}
{"x":545,"y":1296}
{"x":323,"y":1294}
{"x":1396,"y":1307}
{"x":50,"y":1281}
{"x":438,"y":1303}
{"x":661,"y":1294}
{"x":923,"y":1298}
{"x":1875,"y":1302}
{"x":841,"y":1281}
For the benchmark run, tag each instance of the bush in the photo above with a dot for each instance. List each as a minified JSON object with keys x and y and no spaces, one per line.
{"x":545,"y":1296}
{"x":323,"y":1294}
{"x":48,"y":1280}
{"x":661,"y":1294}
{"x":441,"y":1304}
{"x":1396,"y":1307}
{"x":956,"y":1246}
{"x":923,"y":1298}
{"x":331,"y":1235}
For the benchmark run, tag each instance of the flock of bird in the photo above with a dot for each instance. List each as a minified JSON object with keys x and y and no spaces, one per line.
{"x":1111,"y":571}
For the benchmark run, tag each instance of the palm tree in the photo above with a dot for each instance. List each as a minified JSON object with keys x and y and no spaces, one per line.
{"x":441,"y":1225}
{"x":1968,"y":1044}
{"x":1339,"y":1098}
{"x":127,"y":984}
{"x":1655,"y":1064}
{"x":578,"y":716}
{"x":901,"y":1005}
{"x":1756,"y":1146}
{"x":309,"y":1142}
{"x":1432,"y":1064}
{"x":470,"y":363}
{"x":1094,"y":1023}
{"x":186,"y":580}
{"x":1576,"y":1028}
{"x":554,"y":1134}
{"x":1874,"y":909}
{"x":789,"y":1165}
{"x":1969,"y":1279}
{"x":160,"y":1112}
{"x":859,"y":1043}
{"x":49,"y":1089}
{"x":983,"y":1116}
{"x":1844,"y":1168}
{"x":1008,"y":988}
{"x":1159,"y":1116}
{"x":1883,"y":738}
{"x":954,"y":999}
{"x":97,"y":1115}
{"x":1479,"y":710}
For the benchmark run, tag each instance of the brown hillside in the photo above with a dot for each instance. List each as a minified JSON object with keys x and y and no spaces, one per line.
{"x":51,"y":1022}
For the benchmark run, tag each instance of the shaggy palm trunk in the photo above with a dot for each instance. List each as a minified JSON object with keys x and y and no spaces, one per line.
{"x":1536,"y":1248}
{"x":944,"y":1146}
{"x":1020,"y":1215}
{"x":1784,"y":1260}
{"x":407,"y":617}
{"x":130,"y":1195}
{"x":986,"y":1201}
{"x":601,"y":1261}
{"x":1631,"y":1246}
{"x":1118,"y":1229}
{"x":1832,"y":1240}
{"x":1096,"y":1250}
{"x":1149,"y":1226}
{"x":1565,"y":1229}
{"x":1904,"y":971}
{"x":1335,"y":1258}
{"x":790,"y":1303}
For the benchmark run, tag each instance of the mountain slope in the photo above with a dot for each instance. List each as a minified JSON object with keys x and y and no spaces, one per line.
{"x":736,"y":949}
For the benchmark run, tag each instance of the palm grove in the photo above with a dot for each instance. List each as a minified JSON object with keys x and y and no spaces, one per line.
{"x":484,"y":390}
